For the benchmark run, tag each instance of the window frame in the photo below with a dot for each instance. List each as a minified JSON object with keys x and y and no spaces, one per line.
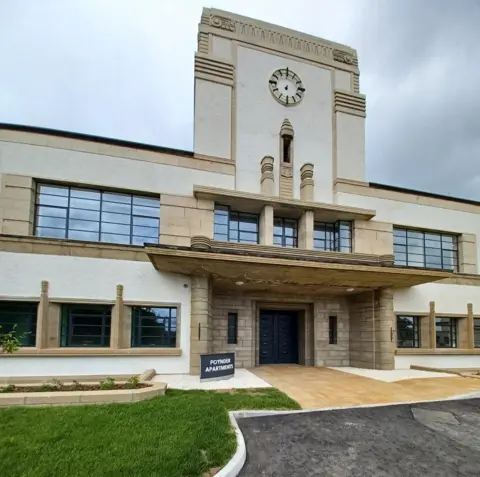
{"x":134,"y":218}
{"x":29,"y":340}
{"x":415,"y":331}
{"x":67,"y":325}
{"x":232,"y":217}
{"x":419,"y":239}
{"x":338,"y":231}
{"x":476,"y":328}
{"x":232,"y":328}
{"x":136,"y":327}
{"x":333,"y":330}
{"x":453,"y":331}
{"x":283,"y":237}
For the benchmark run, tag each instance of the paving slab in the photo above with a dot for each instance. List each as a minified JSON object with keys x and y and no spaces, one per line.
{"x":408,"y":440}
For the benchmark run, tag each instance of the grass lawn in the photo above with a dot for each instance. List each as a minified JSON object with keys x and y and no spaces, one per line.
{"x":182,"y":434}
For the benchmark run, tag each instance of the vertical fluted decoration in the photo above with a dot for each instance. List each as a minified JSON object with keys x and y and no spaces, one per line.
{"x":267,"y":180}
{"x":307,"y":184}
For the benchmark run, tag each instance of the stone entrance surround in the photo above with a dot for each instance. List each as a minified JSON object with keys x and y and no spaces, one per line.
{"x":364,"y":326}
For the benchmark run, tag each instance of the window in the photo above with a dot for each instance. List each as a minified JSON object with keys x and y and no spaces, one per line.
{"x":414,"y":248}
{"x":94,"y":215}
{"x":233,"y":226}
{"x":154,"y":327}
{"x":285,"y":232}
{"x":446,"y":331}
{"x":332,"y":330}
{"x":22,"y":316}
{"x":85,"y":326}
{"x":287,"y":149}
{"x":333,"y":236}
{"x":476,"y":332}
{"x":232,"y":328}
{"x":408,"y":332}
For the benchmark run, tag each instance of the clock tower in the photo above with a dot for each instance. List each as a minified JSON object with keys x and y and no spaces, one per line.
{"x":262,"y":90}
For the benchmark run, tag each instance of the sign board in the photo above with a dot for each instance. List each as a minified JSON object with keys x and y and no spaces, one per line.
{"x":217,"y":366}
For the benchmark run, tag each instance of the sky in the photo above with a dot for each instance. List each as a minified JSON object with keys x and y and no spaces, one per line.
{"x":124,"y":69}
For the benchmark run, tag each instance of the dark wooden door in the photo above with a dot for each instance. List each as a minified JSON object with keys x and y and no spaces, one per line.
{"x":278,"y":337}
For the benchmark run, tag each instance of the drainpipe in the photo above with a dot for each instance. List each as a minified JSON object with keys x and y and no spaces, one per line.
{"x":373,"y":328}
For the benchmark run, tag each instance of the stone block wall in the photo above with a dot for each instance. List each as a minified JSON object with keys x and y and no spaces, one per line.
{"x":371,"y":330}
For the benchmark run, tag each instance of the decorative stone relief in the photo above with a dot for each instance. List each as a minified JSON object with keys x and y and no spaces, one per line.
{"x":267,"y":181}
{"x":287,"y":128}
{"x":307,"y":183}
{"x":222,"y":22}
{"x":344,"y":57}
{"x":286,"y":172}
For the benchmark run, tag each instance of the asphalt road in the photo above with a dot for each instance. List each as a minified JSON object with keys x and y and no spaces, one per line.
{"x":432,"y":439}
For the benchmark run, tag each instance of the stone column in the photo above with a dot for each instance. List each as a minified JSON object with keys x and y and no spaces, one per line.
{"x":384,"y":357}
{"x":467,"y":253}
{"x":470,"y":327}
{"x":41,"y":340}
{"x":307,"y":184}
{"x":117,"y":320}
{"x":201,"y":339}
{"x":266,"y":225}
{"x":433,"y":328}
{"x":305,"y":230}
{"x":267,"y":181}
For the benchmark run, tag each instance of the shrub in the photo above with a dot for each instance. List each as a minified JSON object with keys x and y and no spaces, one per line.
{"x":46,"y":388}
{"x":10,"y":341}
{"x":107,"y":383}
{"x":132,"y":383}
{"x":76,"y":386}
{"x":8,"y":389}
{"x":57,"y":383}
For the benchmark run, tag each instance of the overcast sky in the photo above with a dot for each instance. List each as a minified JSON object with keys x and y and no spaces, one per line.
{"x":105,"y":67}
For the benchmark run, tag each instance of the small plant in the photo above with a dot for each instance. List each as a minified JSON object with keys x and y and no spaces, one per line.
{"x":76,"y":386}
{"x":107,"y":383}
{"x":46,"y":388}
{"x":8,"y":389}
{"x":11,"y":340}
{"x":57,"y":383}
{"x":132,"y":383}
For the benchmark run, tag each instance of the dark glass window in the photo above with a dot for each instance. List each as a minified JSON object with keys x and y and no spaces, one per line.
{"x":154,"y":327}
{"x":287,"y":149}
{"x":446,"y":331}
{"x":476,"y":332}
{"x":232,"y":328}
{"x":231,"y":226}
{"x":95,"y":215}
{"x":85,"y":326}
{"x":285,"y":232}
{"x":333,"y":236}
{"x":414,"y":248}
{"x":408,"y":332}
{"x":22,"y":316}
{"x":332,"y":330}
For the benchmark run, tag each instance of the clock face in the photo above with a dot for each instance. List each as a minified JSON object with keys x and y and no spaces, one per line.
{"x":286,"y":86}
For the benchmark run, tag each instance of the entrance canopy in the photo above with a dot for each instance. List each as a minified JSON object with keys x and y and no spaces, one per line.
{"x":267,"y":268}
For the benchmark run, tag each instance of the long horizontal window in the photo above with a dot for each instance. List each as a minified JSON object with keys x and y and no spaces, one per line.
{"x":231,"y":226}
{"x":333,"y":236}
{"x":21,"y":317}
{"x":414,"y":248}
{"x":95,"y":215}
{"x":85,"y":326}
{"x":285,"y":232}
{"x":408,"y":332}
{"x":446,"y":332}
{"x":154,"y":327}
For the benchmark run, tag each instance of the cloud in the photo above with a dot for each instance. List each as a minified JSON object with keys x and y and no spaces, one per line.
{"x":124,"y":68}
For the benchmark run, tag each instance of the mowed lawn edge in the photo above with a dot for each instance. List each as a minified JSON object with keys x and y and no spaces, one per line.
{"x":181,"y":434}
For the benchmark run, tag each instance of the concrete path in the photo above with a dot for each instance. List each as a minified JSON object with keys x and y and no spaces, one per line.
{"x":315,"y":388}
{"x":439,"y":439}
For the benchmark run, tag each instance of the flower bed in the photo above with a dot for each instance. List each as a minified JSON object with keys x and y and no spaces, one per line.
{"x":66,"y":387}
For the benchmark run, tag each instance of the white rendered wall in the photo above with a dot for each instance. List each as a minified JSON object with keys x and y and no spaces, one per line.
{"x":259,"y":118}
{"x":350,"y":147}
{"x":438,"y":361}
{"x":94,"y":279}
{"x":101,"y":170}
{"x":213,"y":118}
{"x":342,"y":80}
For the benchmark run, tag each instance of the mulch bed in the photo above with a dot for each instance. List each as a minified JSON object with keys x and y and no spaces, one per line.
{"x":68,"y":387}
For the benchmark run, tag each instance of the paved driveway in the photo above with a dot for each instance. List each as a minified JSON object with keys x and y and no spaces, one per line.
{"x":323,"y":387}
{"x":433,"y":439}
